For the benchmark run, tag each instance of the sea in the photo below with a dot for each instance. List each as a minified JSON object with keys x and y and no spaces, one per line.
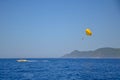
{"x":60,"y":69}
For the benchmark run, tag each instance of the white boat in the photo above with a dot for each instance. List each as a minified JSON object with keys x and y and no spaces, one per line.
{"x":22,"y":60}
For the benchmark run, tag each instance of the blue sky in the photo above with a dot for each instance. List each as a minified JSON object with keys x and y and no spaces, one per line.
{"x":52,"y":28}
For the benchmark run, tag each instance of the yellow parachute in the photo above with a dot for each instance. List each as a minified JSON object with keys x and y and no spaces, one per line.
{"x":88,"y":32}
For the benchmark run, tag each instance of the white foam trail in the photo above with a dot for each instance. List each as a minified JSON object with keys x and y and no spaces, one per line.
{"x":45,"y":61}
{"x":38,"y":60}
{"x":32,"y":61}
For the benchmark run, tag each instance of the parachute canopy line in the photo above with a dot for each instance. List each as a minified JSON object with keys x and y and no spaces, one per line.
{"x":88,"y":32}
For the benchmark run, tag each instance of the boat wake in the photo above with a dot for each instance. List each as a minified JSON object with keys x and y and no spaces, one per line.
{"x":32,"y":60}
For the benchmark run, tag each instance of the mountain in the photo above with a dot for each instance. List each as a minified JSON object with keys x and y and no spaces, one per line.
{"x":98,"y":53}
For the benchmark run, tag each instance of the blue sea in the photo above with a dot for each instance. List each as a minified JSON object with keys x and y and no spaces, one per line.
{"x":60,"y":69}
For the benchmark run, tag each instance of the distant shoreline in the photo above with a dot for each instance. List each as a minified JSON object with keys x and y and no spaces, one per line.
{"x":99,"y":53}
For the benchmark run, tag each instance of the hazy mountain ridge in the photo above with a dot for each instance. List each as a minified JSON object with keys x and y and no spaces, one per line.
{"x":98,"y":53}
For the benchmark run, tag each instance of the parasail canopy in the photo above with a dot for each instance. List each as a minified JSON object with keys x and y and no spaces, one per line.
{"x":88,"y":32}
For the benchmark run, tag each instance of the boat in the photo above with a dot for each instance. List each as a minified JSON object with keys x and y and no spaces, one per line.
{"x":22,"y":60}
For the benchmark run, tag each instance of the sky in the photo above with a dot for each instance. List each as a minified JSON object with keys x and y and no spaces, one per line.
{"x":52,"y":28}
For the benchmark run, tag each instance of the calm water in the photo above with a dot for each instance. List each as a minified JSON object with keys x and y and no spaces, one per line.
{"x":60,"y":69}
